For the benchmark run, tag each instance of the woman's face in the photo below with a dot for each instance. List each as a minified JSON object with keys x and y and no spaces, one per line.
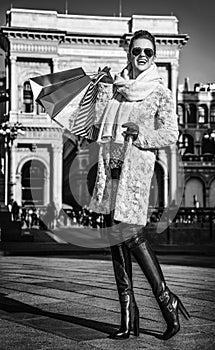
{"x":140,"y":59}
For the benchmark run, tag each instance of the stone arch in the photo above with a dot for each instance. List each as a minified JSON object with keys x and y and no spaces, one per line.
{"x":27,"y":74}
{"x":27,"y":158}
{"x":46,"y":174}
{"x":194,"y":186}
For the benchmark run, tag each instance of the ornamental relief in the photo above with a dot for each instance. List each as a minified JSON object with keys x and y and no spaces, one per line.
{"x":48,"y":135}
{"x":39,"y":48}
{"x":27,"y":72}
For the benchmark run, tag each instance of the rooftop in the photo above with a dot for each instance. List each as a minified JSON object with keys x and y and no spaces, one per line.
{"x":84,"y":23}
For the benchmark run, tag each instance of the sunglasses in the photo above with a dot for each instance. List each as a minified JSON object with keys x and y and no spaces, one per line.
{"x":136,"y":51}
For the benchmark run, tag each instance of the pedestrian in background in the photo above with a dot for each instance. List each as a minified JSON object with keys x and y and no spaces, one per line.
{"x":15,"y":211}
{"x":51,"y":215}
{"x":139,"y":119}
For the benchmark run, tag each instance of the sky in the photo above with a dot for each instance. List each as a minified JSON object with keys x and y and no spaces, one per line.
{"x":196,"y":18}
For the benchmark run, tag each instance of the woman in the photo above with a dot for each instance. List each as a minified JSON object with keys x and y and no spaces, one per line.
{"x":136,"y":121}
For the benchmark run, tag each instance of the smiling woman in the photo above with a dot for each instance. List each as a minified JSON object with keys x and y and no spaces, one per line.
{"x":142,"y":51}
{"x":139,"y":119}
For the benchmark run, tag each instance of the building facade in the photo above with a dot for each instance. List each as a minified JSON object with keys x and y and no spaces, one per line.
{"x":40,"y":42}
{"x":196,"y":113}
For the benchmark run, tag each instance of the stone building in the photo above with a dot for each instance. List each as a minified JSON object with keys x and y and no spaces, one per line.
{"x":196,"y":112}
{"x":39,"y":42}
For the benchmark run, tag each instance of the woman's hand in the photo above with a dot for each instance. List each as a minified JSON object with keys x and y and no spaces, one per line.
{"x":132,"y":131}
{"x":107,"y":78}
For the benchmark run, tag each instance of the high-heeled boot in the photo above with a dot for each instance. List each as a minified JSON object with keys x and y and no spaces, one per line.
{"x":169,"y":303}
{"x":122,"y":266}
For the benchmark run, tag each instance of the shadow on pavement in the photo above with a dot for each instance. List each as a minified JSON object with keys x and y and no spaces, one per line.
{"x":13,"y":306}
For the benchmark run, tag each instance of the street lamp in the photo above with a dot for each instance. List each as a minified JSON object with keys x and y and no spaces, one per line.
{"x":210,"y":135}
{"x":9,"y":133}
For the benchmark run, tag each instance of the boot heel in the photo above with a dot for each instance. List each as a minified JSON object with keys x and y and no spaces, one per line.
{"x":184,"y":312}
{"x":136,"y":323}
{"x":136,"y":327}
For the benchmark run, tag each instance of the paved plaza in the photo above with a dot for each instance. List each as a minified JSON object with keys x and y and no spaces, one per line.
{"x":71,"y":303}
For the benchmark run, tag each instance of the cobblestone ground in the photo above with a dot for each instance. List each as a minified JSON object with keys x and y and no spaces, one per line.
{"x":60,"y":303}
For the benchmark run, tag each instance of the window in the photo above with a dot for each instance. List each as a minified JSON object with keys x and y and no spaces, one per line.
{"x":194,"y":192}
{"x":212,"y":116}
{"x":186,"y":143}
{"x":40,"y":109}
{"x":180,"y":114}
{"x":202,"y":114}
{"x":191,"y":114}
{"x":28,"y":98}
{"x":208,"y":145}
{"x":33,"y":183}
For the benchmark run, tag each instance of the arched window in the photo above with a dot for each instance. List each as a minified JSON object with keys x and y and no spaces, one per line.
{"x":28,"y":100}
{"x":212,"y":115}
{"x":180,"y":113}
{"x":202,"y":114}
{"x":186,"y":143}
{"x":208,"y":145}
{"x":194,"y":193}
{"x":33,"y":183}
{"x":191,"y":114}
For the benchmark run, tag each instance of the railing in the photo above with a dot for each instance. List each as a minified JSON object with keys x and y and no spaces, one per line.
{"x":190,"y":218}
{"x":207,"y":157}
{"x":182,"y":222}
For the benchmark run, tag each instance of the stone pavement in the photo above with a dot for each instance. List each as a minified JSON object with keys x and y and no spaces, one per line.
{"x":71,"y":303}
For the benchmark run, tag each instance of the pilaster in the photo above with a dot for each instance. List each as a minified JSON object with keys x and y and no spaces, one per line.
{"x":173,"y":173}
{"x":13,"y":84}
{"x":57,"y":170}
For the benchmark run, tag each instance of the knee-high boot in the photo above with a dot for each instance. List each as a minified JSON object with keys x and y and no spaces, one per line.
{"x":168,"y":302}
{"x":122,"y":266}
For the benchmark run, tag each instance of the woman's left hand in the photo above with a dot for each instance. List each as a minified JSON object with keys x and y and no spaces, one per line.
{"x":132,"y":131}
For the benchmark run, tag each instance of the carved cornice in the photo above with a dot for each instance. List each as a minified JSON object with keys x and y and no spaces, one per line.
{"x":165,"y":39}
{"x":93,"y":40}
{"x":42,"y":133}
{"x":46,"y":37}
{"x":23,"y":34}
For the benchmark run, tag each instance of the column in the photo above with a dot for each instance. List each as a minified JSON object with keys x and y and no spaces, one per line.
{"x":55,"y":64}
{"x":173,"y":173}
{"x":13,"y":85}
{"x":174,"y":74}
{"x":57,"y":169}
{"x":6,"y":173}
{"x":165,"y":181}
{"x":12,"y":180}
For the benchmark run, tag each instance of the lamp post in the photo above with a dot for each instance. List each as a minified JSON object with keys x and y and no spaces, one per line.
{"x":9,"y":132}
